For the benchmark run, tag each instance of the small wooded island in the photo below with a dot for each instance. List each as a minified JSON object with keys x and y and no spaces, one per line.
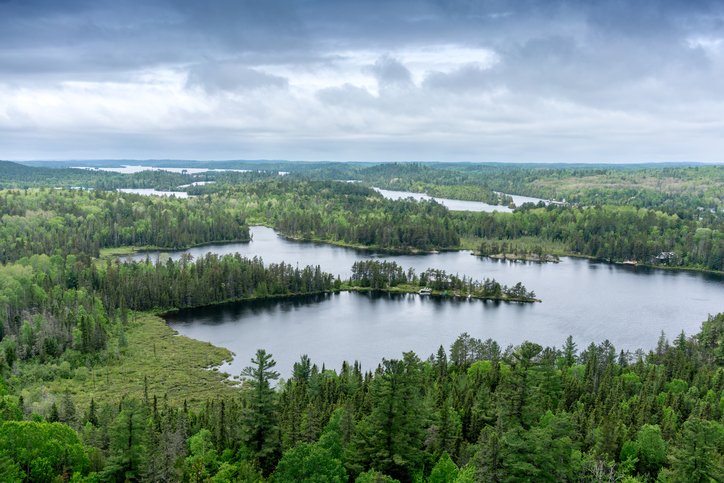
{"x":390,"y":277}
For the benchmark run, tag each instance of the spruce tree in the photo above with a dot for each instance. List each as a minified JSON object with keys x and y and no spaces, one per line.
{"x":261,"y":435}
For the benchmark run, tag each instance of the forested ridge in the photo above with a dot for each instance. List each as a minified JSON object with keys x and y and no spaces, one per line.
{"x":688,"y":191}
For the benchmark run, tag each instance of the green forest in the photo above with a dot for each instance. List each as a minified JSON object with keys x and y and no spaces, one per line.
{"x":97,"y":387}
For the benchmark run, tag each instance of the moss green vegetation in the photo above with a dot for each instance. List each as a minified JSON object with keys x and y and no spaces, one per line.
{"x":154,"y":360}
{"x":122,"y":251}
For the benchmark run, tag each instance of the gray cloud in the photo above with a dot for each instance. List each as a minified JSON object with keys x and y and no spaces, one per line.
{"x":390,"y":72}
{"x":346,"y":96}
{"x":214,"y":77}
{"x":468,"y":77}
{"x":642,"y":76}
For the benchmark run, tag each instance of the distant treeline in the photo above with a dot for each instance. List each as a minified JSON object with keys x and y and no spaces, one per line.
{"x":610,"y":233}
{"x":58,"y":221}
{"x":347,"y":213}
{"x":351,"y":214}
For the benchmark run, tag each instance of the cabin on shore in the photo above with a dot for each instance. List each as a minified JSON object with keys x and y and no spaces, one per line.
{"x":665,"y":257}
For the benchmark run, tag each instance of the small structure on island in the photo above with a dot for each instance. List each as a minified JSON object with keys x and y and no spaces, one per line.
{"x":425,"y":291}
{"x":665,"y":257}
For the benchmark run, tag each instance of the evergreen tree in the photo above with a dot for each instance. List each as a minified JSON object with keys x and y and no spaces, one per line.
{"x":445,"y":471}
{"x":488,"y":460}
{"x":127,"y":443}
{"x":390,"y":440}
{"x":570,"y":354}
{"x":700,"y":457}
{"x":261,"y":435}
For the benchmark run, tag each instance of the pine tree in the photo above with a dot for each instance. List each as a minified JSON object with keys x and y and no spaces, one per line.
{"x":700,"y":457}
{"x":488,"y":460}
{"x":91,"y":416}
{"x":261,"y":434}
{"x":570,"y":354}
{"x":67,"y":409}
{"x":54,"y":415}
{"x":391,"y":437}
{"x":127,"y":443}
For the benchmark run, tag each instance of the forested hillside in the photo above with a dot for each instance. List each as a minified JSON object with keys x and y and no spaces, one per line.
{"x":79,"y":222}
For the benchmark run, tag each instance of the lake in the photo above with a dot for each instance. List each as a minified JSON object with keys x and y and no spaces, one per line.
{"x":132,"y":169}
{"x":450,"y":204}
{"x":630,"y":306}
{"x":460,"y":205}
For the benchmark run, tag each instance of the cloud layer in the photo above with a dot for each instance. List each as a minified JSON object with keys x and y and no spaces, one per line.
{"x":363,"y":80}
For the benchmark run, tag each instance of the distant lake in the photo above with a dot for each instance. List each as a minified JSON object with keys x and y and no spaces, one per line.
{"x":131,"y":169}
{"x":460,"y":205}
{"x":630,"y":306}
{"x":453,"y":205}
{"x":153,"y":192}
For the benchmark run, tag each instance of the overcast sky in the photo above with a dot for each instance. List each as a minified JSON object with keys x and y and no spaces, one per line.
{"x":461,"y":80}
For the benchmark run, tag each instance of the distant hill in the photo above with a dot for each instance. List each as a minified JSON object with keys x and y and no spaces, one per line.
{"x":18,"y":175}
{"x":14,"y":169}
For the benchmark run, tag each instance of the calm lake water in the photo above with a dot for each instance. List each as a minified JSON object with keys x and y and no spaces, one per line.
{"x":453,"y":205}
{"x":459,"y":205}
{"x":590,"y":301}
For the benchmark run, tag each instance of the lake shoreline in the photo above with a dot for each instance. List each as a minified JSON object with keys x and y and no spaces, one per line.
{"x":442,"y":294}
{"x":408,"y":290}
{"x":130,"y":250}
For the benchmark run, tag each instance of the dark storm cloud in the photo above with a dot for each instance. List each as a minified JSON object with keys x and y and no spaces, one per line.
{"x":111,"y":34}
